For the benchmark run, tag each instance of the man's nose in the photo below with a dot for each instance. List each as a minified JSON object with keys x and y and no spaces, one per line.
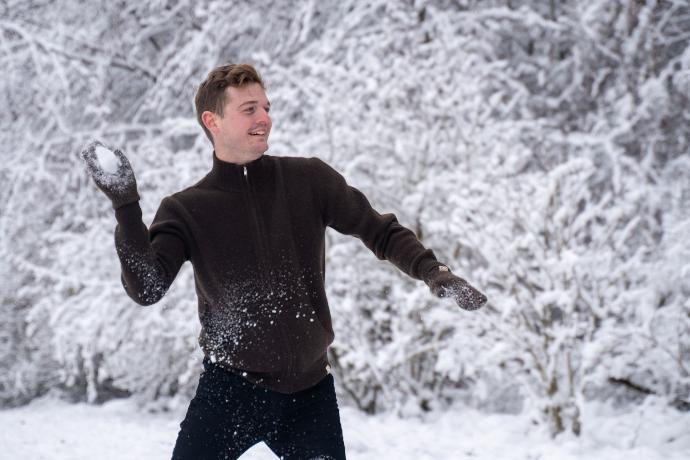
{"x":264,"y":117}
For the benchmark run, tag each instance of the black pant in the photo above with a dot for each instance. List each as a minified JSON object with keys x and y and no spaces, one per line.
{"x":228,"y":415}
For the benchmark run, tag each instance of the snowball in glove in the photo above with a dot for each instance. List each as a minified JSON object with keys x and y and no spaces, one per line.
{"x":444,"y":284}
{"x":112,"y":173}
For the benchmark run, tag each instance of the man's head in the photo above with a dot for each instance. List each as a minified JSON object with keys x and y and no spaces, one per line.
{"x":232,"y":108}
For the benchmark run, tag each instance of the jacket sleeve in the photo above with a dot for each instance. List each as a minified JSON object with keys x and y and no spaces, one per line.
{"x":347,"y":210}
{"x":150,"y":258}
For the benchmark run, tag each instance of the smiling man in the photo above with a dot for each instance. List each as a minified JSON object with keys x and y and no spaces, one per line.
{"x":235,"y":118}
{"x":254,"y":230}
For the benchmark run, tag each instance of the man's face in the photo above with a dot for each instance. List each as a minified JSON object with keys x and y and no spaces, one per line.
{"x":241,"y":134}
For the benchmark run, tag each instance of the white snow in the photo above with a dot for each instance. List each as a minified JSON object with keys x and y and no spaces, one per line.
{"x":55,"y":430}
{"x":107,"y":159}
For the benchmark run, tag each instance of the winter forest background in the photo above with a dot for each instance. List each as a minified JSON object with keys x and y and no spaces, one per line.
{"x":541,"y":148}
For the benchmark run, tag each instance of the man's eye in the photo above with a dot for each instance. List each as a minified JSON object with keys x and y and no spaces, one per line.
{"x":250,"y":110}
{"x":267,"y":109}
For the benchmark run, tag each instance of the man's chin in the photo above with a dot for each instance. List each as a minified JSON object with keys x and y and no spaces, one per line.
{"x":260,"y":150}
{"x":256,"y":154}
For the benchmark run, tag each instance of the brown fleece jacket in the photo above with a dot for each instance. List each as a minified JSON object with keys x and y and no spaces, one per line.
{"x":254,"y":234}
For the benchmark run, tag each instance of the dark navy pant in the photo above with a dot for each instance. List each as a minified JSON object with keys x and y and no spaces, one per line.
{"x":228,"y":415}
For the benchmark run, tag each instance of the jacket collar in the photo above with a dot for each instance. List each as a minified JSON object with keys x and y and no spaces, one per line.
{"x":236,"y":177}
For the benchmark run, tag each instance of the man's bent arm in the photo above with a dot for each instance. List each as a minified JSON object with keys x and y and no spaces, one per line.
{"x":150,"y":259}
{"x":348,"y":211}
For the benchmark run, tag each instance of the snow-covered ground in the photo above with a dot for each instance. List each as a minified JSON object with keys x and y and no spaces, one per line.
{"x":51,"y":429}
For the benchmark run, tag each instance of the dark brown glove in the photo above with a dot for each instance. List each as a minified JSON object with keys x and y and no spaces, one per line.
{"x":120,"y":185}
{"x":445,"y":284}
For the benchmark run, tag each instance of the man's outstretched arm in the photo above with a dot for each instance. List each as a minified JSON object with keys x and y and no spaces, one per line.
{"x":150,"y":260}
{"x":348,"y":211}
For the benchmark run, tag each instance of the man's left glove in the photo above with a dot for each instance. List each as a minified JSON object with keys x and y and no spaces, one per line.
{"x":444,"y":284}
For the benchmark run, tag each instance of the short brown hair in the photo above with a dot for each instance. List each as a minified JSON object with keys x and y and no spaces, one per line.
{"x":211,"y":93}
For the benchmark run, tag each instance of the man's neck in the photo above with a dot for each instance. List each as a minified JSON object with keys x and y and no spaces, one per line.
{"x":237,"y":158}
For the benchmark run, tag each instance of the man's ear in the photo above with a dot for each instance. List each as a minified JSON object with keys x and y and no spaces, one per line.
{"x":210,"y":121}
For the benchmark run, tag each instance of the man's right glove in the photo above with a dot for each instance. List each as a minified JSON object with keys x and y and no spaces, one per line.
{"x":119,"y":185}
{"x":444,"y":284}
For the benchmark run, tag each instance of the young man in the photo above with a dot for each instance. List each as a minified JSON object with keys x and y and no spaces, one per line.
{"x":253,"y":229}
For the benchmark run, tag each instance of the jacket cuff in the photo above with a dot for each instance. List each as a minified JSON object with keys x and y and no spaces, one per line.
{"x":126,"y":200}
{"x":128,"y":214}
{"x":428,"y":268}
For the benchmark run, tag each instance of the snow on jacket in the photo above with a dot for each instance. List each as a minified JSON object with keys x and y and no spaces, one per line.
{"x":254,"y":234}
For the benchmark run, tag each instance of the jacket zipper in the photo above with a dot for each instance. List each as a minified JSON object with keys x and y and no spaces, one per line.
{"x":261,"y":254}
{"x":257,"y":224}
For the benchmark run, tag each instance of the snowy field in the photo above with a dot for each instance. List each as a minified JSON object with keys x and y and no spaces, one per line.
{"x":50,"y":429}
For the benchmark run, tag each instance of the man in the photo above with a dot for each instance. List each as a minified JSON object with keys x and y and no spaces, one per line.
{"x":253,"y":229}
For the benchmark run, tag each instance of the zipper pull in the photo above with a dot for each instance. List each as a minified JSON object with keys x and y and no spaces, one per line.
{"x":245,"y":171}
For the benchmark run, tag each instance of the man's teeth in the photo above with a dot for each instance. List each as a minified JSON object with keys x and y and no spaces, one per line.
{"x":258,"y":133}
